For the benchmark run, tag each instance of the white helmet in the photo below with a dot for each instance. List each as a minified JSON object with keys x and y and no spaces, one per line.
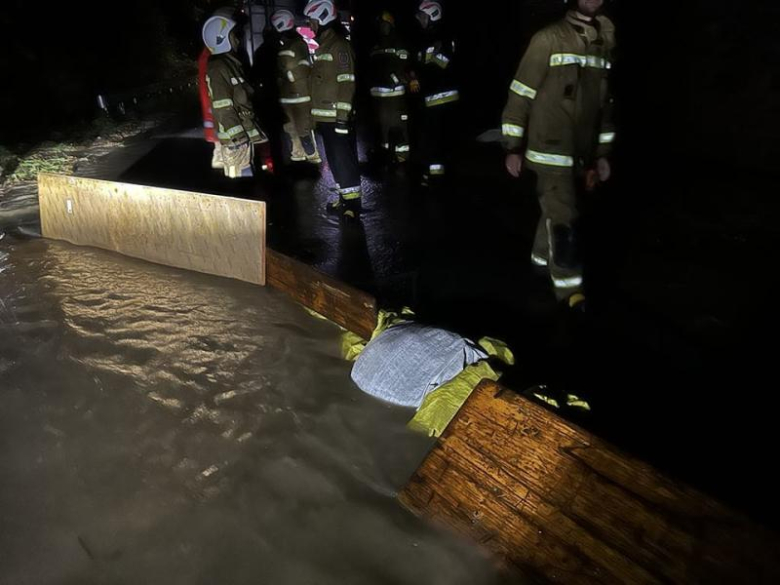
{"x":283,"y":20}
{"x":216,"y":34}
{"x":432,"y":9}
{"x":323,"y":11}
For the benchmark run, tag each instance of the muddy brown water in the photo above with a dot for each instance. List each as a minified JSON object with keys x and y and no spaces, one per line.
{"x":161,"y":426}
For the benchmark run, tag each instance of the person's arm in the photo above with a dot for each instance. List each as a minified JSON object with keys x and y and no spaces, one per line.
{"x":607,"y":121}
{"x":404,"y":63}
{"x":438,"y":63}
{"x":294,"y":63}
{"x":607,"y":133}
{"x":345,"y":77}
{"x":522,"y":92}
{"x":286,"y":60}
{"x":302,"y":63}
{"x":226,"y":113}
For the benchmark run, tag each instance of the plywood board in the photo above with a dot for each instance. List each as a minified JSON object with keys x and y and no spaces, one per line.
{"x":205,"y":233}
{"x":554,"y":502}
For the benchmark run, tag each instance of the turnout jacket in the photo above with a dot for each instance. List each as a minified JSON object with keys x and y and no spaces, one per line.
{"x":231,"y":101}
{"x":437,"y":74}
{"x":559,"y":108}
{"x":333,"y":78}
{"x":389,"y":67}
{"x":294,"y":70}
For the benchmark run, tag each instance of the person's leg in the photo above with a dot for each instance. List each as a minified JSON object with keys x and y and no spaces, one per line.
{"x":327,"y":132}
{"x":343,"y":161}
{"x":383,"y":110}
{"x":399,"y":130}
{"x":558,"y":200}
{"x":431,"y":139}
{"x":238,"y":160}
{"x":217,"y":160}
{"x":292,"y":131}
{"x":305,"y":129}
{"x":540,"y":255}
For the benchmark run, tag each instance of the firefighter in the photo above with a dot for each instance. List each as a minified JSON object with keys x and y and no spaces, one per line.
{"x":294,"y":68}
{"x":558,"y":123}
{"x":333,"y":90}
{"x":231,"y":97}
{"x":439,"y":91}
{"x":390,"y":77}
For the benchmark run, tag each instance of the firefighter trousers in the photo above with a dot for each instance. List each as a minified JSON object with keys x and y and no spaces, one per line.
{"x":238,"y":160}
{"x":555,"y":244}
{"x":436,"y":134}
{"x":341,"y":154}
{"x":393,"y":116}
{"x":298,"y":128}
{"x":217,"y":159}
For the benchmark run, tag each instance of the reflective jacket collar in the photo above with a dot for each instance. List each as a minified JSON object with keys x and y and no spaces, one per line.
{"x":231,"y":58}
{"x":588,"y":29}
{"x":327,"y":35}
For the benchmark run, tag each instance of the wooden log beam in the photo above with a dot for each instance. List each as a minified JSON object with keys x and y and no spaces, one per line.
{"x":354,"y":310}
{"x":555,"y":502}
{"x":205,"y":233}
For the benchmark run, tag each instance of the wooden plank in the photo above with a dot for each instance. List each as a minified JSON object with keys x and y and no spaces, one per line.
{"x":556,"y":502}
{"x":205,"y":233}
{"x":354,"y":310}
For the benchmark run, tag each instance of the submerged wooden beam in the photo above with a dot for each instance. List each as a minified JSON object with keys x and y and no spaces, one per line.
{"x":556,"y":503}
{"x":205,"y":233}
{"x":354,"y":310}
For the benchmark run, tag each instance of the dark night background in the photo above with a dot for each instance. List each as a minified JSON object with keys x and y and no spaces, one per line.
{"x":696,"y":78}
{"x":697,"y":85}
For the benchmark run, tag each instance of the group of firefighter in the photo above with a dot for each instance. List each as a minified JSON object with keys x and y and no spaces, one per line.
{"x":557,"y":121}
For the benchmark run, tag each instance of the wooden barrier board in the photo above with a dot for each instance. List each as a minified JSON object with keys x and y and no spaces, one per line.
{"x":354,"y":310}
{"x":205,"y":233}
{"x":555,"y":503}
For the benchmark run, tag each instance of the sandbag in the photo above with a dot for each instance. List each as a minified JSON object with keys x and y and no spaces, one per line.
{"x":409,"y":361}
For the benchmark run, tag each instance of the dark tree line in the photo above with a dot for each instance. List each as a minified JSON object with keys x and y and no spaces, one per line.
{"x":59,"y":56}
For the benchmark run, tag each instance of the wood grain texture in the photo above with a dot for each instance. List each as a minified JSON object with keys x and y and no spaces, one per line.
{"x":205,"y":233}
{"x":552,"y":501}
{"x":354,"y":310}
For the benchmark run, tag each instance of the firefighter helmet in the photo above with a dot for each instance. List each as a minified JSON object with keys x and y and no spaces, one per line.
{"x":283,"y":20}
{"x":323,"y":11}
{"x":216,"y":33}
{"x":387,"y":17}
{"x":432,"y":9}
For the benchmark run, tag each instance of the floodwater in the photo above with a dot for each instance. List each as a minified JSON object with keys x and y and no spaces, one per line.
{"x":161,"y":426}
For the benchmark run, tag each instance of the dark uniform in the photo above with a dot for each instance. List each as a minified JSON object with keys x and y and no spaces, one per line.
{"x":295,"y":67}
{"x":234,"y":117}
{"x":559,"y":115}
{"x":333,"y":90}
{"x":440,"y":95}
{"x":390,"y":76}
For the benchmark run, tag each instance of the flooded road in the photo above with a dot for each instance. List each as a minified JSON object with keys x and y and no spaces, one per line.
{"x":160,"y":426}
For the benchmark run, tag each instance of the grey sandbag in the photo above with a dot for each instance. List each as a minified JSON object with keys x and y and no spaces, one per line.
{"x":408,"y":361}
